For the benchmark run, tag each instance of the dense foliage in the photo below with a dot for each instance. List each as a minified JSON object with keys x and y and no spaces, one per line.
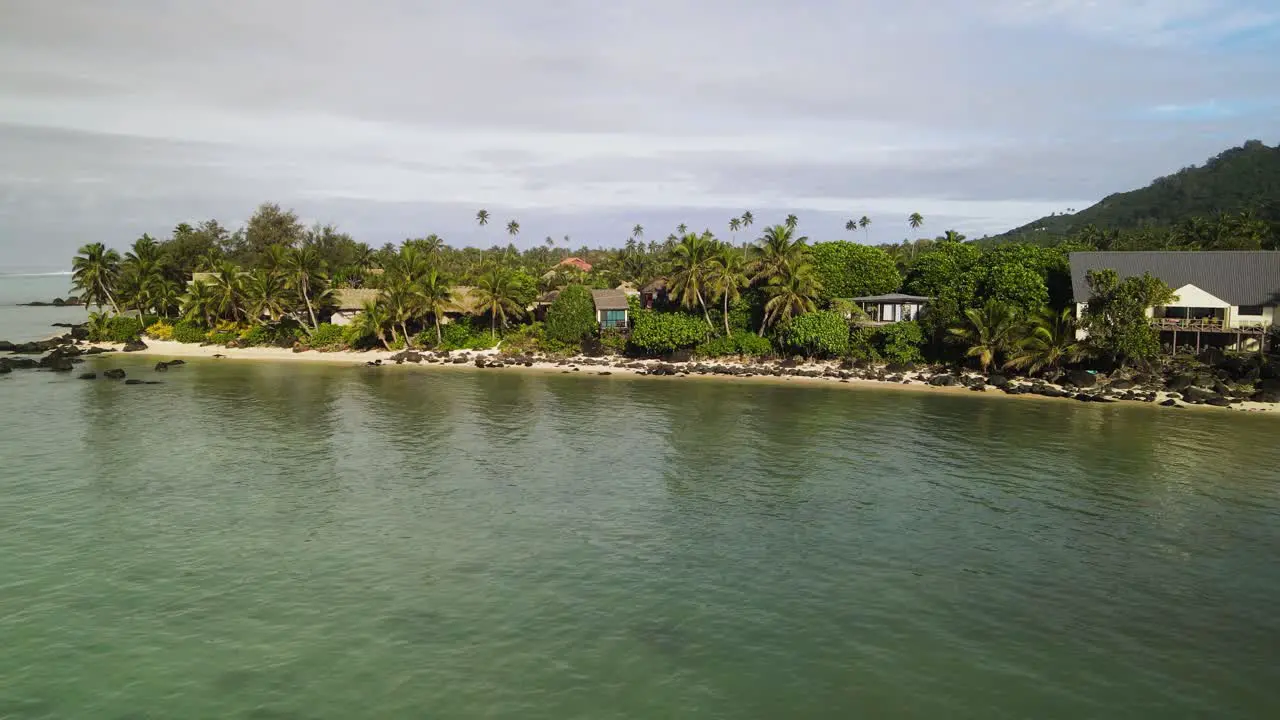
{"x":328,"y":337}
{"x":656,"y":333}
{"x":741,"y":343}
{"x":816,"y":334}
{"x":847,"y":270}
{"x":186,"y":331}
{"x":572,"y":316}
{"x":1116,"y":314}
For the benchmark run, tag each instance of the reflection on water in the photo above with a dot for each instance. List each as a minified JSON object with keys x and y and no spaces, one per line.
{"x":258,"y":540}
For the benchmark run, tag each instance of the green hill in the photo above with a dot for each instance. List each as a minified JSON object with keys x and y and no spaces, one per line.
{"x":1242,"y":179}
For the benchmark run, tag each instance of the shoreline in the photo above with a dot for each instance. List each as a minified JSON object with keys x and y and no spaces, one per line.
{"x":625,"y":367}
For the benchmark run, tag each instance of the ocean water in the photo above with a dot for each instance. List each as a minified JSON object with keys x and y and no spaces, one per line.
{"x":258,"y":540}
{"x":20,"y":324}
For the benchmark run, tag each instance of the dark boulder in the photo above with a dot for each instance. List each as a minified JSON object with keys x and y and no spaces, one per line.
{"x":88,"y":376}
{"x":1180,"y":383}
{"x":943,"y":380}
{"x":1212,"y":357}
{"x":134,"y":346}
{"x":1122,"y":384}
{"x":1266,"y":396}
{"x":1199,"y":395}
{"x":60,"y":364}
{"x":1170,"y":403}
{"x":113,"y":374}
{"x":998,"y":381}
{"x":1082,"y":378}
{"x":5,"y":369}
{"x":162,"y":367}
{"x":1218,"y":402}
{"x":177,"y":362}
{"x":898,"y":368}
{"x":132,"y":382}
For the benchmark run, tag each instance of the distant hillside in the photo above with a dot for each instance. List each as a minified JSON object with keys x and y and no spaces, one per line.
{"x":1246,"y":178}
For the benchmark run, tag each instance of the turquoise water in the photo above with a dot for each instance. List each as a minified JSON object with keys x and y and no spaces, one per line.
{"x":257,"y":540}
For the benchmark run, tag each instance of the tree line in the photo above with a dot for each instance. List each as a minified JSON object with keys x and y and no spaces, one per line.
{"x":274,"y":281}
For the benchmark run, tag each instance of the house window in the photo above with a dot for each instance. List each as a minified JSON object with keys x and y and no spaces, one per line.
{"x":614,"y":318}
{"x":1250,"y":310}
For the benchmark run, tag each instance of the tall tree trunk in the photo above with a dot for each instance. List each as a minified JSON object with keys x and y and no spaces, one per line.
{"x":726,"y":315}
{"x":306,"y":296}
{"x":705,"y":315}
{"x":493,"y":325}
{"x":439,"y":334}
{"x":382,"y":336}
{"x":408,"y":342}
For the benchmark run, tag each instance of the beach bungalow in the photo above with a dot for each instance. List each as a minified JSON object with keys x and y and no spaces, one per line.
{"x":654,"y":292}
{"x":891,"y":308}
{"x":611,"y":309}
{"x":348,"y":302}
{"x":1222,"y":298}
{"x":575,"y":263}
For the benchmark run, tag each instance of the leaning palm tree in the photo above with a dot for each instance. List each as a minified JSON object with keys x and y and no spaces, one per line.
{"x":227,"y":292}
{"x":726,"y":278}
{"x":435,"y":298}
{"x":1051,"y":341}
{"x":915,"y":220}
{"x":94,"y":272}
{"x":497,"y":296}
{"x":864,"y":222}
{"x":403,"y":302}
{"x":691,"y":266}
{"x":987,"y":332}
{"x":791,"y":221}
{"x":748,"y":219}
{"x":792,"y":293}
{"x":305,"y":272}
{"x":373,"y":320}
{"x":266,"y":295}
{"x":199,"y":303}
{"x":482,"y":217}
{"x":778,"y":252}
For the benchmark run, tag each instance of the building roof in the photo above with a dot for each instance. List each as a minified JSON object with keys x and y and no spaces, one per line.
{"x":609,"y":299}
{"x":891,"y":298}
{"x":354,"y":298}
{"x":655,"y":285}
{"x":1240,"y":277}
{"x":576,"y":262}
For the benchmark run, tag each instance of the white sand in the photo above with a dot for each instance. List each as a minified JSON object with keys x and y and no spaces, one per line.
{"x":171,"y":349}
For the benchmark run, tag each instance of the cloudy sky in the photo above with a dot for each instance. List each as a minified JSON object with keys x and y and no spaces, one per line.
{"x":395,"y":118}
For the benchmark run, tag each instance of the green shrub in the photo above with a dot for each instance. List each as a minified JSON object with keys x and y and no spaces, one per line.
{"x":397,"y":343}
{"x":739,"y":343}
{"x":524,"y":338}
{"x":160,"y":330}
{"x":256,"y":335}
{"x":817,"y":334}
{"x":664,"y":332}
{"x":221,"y":337}
{"x":572,"y":316}
{"x":864,"y":344}
{"x":901,"y":342}
{"x":847,"y":269}
{"x":189,"y":332}
{"x":121,"y":329}
{"x":354,"y":338}
{"x":327,"y":337}
{"x":613,"y":342}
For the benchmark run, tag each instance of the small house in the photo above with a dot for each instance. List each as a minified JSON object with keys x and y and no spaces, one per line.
{"x":654,"y":292}
{"x":611,"y":309}
{"x":348,"y":302}
{"x":891,"y":308}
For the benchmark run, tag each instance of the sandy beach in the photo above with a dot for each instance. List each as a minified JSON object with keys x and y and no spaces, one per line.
{"x":616,"y":367}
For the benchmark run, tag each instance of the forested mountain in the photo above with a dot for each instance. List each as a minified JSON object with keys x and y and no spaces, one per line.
{"x":1243,"y":182}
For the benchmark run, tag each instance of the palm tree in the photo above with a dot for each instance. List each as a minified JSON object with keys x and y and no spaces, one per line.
{"x":513,"y":228}
{"x":864,"y":222}
{"x":690,"y":265}
{"x":275,"y":258}
{"x":1051,"y":342}
{"x":199,"y":303}
{"x":497,"y":296}
{"x":952,"y":236}
{"x":791,"y":221}
{"x":726,"y":278}
{"x":748,"y":219}
{"x":987,"y":332}
{"x":637,"y":232}
{"x":915,"y":220}
{"x":482,"y":217}
{"x":792,"y":293}
{"x":265,"y":293}
{"x":682,"y":229}
{"x":435,"y":298}
{"x":403,"y":302}
{"x":95,"y":271}
{"x":851,"y":226}
{"x":164,"y":294}
{"x":305,"y":267}
{"x":735,"y":225}
{"x":227,"y":291}
{"x":779,"y":251}
{"x":373,"y":319}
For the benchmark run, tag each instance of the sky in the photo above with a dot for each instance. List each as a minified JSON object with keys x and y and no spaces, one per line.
{"x":399,"y":118}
